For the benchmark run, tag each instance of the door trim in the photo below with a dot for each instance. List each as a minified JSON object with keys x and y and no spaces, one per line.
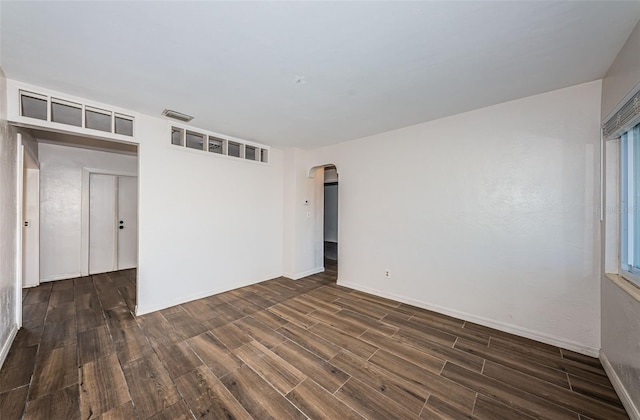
{"x":31,"y":235}
{"x":19,"y":257}
{"x":84,"y":243}
{"x":23,"y":150}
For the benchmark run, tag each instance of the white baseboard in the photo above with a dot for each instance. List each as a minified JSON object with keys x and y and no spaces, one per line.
{"x":298,"y":276}
{"x":7,"y":345}
{"x":632,"y":410}
{"x":61,"y":277}
{"x":491,"y":323}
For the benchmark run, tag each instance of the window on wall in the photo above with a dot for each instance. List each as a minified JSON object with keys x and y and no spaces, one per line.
{"x":630,"y":204}
{"x":65,"y":112}
{"x":233,"y":149}
{"x":216,"y":145}
{"x":195,"y":139}
{"x":250,"y":152}
{"x":177,"y":136}
{"x":61,"y":111}
{"x":33,"y":105}
{"x":97,"y":119}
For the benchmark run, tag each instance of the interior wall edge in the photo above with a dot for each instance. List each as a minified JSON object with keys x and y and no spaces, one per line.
{"x":145,"y":309}
{"x":298,"y":276}
{"x":7,"y":345}
{"x":487,"y":322}
{"x":632,"y":410}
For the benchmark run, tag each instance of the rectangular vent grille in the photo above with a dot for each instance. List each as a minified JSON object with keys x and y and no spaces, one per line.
{"x":177,"y":115}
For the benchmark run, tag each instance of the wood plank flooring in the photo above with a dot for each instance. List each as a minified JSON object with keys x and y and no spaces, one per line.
{"x":281,"y":349}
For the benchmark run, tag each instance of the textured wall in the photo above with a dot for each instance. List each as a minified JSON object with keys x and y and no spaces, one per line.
{"x":620,"y":311}
{"x":8,"y":224}
{"x":490,"y":215}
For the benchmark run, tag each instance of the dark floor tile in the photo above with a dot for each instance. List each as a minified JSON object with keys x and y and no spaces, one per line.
{"x":62,"y":404}
{"x":317,"y":403}
{"x":208,"y":397}
{"x":368,"y":402}
{"x":12,"y":403}
{"x":258,"y":398}
{"x":103,"y":387}
{"x":178,"y":411}
{"x":150,"y":385}
{"x":94,"y":344}
{"x":489,"y":409}
{"x":178,"y":358}
{"x":54,"y":370}
{"x":17,"y":368}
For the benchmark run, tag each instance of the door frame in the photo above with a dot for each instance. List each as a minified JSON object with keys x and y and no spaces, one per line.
{"x":22,"y":152}
{"x":84,"y":243}
{"x":31,"y":167}
{"x":318,"y":223}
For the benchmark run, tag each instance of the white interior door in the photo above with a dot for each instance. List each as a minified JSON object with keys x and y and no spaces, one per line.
{"x":113,"y":223}
{"x":102,"y":223}
{"x":31,"y":223}
{"x":127,"y":222}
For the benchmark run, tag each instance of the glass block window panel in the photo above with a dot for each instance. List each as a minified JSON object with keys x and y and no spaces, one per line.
{"x":195,"y":140}
{"x":66,"y":113}
{"x":233,"y":149}
{"x":176,"y":136}
{"x":250,"y":153}
{"x":33,"y":107}
{"x":216,"y":145}
{"x":264,"y":155}
{"x":123,"y":125}
{"x":97,"y":119}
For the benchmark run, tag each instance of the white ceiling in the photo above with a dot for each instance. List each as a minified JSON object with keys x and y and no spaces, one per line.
{"x":366,"y":67}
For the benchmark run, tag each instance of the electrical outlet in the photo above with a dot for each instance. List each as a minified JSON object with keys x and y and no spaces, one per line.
{"x":387,"y":273}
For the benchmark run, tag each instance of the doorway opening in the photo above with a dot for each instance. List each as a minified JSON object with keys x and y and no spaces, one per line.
{"x":30,"y":214}
{"x":88,"y":210}
{"x":330,"y":221}
{"x":324,"y":233}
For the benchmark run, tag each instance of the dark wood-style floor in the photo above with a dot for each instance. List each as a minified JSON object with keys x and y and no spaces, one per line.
{"x":281,"y":349}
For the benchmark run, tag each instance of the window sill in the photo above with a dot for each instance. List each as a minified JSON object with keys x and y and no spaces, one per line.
{"x":624,"y":284}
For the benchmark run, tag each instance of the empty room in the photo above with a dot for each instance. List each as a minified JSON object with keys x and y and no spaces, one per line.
{"x":322,"y":210}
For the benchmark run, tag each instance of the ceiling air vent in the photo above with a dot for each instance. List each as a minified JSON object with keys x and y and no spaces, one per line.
{"x":177,"y":115}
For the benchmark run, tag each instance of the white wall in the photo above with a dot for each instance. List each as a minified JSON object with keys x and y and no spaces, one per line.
{"x":623,"y":75}
{"x":620,"y":310}
{"x":490,"y":216}
{"x":303,"y":217}
{"x":60,"y":204}
{"x":207,"y":223}
{"x":9,"y":289}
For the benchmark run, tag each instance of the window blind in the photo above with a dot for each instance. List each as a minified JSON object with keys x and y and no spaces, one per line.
{"x":627,"y":116}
